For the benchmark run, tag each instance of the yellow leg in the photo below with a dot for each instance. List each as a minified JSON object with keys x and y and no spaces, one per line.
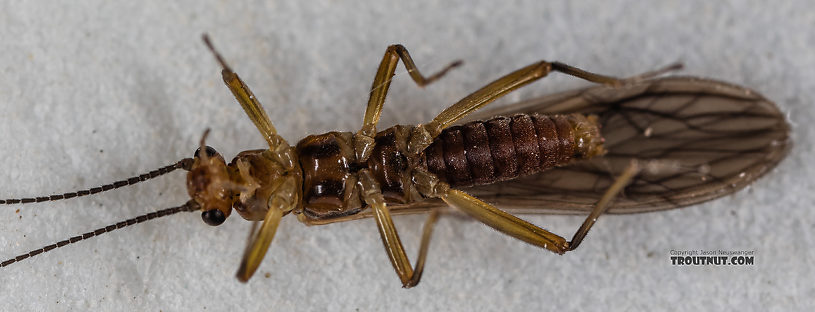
{"x":283,"y":200}
{"x":379,"y":90}
{"x":424,"y":134}
{"x":280,"y":148}
{"x":523,"y":230}
{"x":390,"y":238}
{"x":520,"y":78}
{"x":505,"y":222}
{"x":382,"y":81}
{"x":248,"y":101}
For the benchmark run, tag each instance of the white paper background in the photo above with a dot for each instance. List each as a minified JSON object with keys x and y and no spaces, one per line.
{"x":93,"y":91}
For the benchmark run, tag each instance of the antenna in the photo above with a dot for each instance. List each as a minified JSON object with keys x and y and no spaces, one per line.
{"x":189,"y":206}
{"x":185,"y":164}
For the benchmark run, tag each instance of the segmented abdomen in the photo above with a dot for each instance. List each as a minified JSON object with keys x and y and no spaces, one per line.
{"x":504,"y":148}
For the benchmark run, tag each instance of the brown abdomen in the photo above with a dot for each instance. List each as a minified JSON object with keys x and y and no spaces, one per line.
{"x":504,"y":148}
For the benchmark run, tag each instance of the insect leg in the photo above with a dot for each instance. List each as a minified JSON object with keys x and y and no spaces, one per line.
{"x":258,"y":244}
{"x":424,"y":134}
{"x":245,"y":97}
{"x":517,"y":227}
{"x":254,"y":110}
{"x":379,"y":90}
{"x":384,"y":75}
{"x":283,"y":200}
{"x":505,"y":222}
{"x":390,"y":238}
{"x":602,"y":205}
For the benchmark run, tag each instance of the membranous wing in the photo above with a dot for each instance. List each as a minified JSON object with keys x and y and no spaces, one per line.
{"x":703,"y":138}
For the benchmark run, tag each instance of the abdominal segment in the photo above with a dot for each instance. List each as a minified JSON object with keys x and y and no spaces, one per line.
{"x":504,"y":148}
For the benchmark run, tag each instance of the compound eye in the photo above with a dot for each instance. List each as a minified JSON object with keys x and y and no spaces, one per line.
{"x":213,"y":217}
{"x":210,"y":152}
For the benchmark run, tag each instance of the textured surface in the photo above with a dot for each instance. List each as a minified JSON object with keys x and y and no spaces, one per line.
{"x":93,"y":91}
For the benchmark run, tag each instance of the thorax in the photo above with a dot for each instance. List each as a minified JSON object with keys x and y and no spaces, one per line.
{"x":330,"y":168}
